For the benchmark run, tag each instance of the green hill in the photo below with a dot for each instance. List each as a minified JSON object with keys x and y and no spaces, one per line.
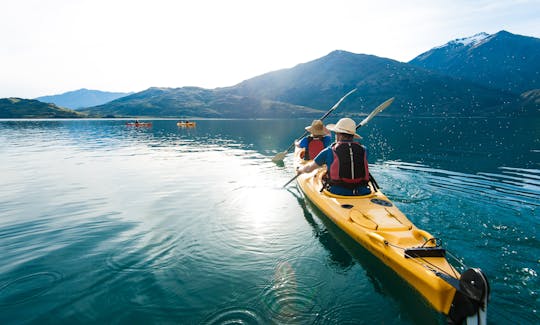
{"x":198,"y":102}
{"x":31,"y":108}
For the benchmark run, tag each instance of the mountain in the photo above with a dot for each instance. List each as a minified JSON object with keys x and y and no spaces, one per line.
{"x":438,"y":83}
{"x":503,"y":60}
{"x":82,"y":98}
{"x":30,"y":108}
{"x":318,"y":84}
{"x":198,"y":102}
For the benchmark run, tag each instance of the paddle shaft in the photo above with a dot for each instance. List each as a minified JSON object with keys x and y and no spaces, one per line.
{"x":306,"y":132}
{"x":290,"y":180}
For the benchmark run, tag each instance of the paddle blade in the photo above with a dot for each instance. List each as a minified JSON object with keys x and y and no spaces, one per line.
{"x":280,"y":156}
{"x":337,"y":104}
{"x":376,"y":111}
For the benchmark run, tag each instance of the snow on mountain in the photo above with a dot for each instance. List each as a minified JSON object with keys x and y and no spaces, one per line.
{"x":503,"y":60}
{"x":467,"y":41}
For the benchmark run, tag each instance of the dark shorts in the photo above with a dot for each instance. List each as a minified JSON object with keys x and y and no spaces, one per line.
{"x":339,"y":190}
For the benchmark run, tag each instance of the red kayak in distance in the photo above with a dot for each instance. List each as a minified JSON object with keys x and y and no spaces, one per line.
{"x":139,"y":124}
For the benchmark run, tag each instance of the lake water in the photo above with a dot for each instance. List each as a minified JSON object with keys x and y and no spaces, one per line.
{"x":104,"y":223}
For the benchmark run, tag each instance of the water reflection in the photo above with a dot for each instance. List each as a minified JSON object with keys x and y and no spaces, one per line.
{"x":338,"y":255}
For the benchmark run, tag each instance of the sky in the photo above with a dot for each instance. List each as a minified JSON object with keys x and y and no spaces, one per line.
{"x":49,"y":47}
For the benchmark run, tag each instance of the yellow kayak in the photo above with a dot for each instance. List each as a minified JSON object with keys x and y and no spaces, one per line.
{"x":415,"y":255}
{"x":186,"y":124}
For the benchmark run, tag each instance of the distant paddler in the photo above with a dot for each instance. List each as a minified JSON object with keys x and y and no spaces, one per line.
{"x":186,"y":123}
{"x":138,"y":123}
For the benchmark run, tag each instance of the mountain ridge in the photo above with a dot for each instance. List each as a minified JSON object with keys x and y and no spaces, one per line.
{"x":502,"y":60}
{"x":82,"y":98}
{"x":318,"y":84}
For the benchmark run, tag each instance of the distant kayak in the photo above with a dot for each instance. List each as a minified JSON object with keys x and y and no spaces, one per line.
{"x":377,"y":224}
{"x":139,"y":124}
{"x":186,"y":124}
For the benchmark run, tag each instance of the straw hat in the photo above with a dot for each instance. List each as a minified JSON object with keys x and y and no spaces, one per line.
{"x":344,"y":125}
{"x":317,"y":128}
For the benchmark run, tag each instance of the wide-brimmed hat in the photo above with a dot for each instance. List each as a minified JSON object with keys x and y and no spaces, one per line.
{"x":344,"y":125}
{"x":317,"y":128}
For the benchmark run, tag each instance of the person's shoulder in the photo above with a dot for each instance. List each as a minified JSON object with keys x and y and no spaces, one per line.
{"x":326,"y":151}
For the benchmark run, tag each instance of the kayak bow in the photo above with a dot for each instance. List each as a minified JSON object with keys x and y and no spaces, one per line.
{"x":377,"y":224}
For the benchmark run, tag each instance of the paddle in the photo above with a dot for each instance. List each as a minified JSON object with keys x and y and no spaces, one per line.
{"x":376,"y":111}
{"x":290,"y":180}
{"x":279,"y":156}
{"x":368,"y":118}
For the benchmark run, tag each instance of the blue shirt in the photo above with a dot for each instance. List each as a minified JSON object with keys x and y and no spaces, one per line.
{"x":327,"y":157}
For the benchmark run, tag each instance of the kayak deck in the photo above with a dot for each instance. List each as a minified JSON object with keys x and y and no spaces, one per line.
{"x":378,"y":225}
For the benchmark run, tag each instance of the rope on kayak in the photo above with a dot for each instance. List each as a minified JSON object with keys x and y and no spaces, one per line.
{"x":426,"y":264}
{"x":463,"y":265}
{"x":435,"y":240}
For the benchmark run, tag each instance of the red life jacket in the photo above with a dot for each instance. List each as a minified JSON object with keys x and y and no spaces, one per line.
{"x":314,"y":146}
{"x":350,"y":167}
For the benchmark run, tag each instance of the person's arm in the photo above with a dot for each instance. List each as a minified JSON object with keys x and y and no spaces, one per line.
{"x":316,"y":163}
{"x":307,"y":168}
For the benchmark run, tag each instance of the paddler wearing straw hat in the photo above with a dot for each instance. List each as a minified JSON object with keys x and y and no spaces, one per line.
{"x":346,"y":161}
{"x":318,"y":139}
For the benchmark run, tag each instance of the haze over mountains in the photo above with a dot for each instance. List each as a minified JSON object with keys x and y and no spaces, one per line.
{"x":484,"y":75}
{"x":82,"y":98}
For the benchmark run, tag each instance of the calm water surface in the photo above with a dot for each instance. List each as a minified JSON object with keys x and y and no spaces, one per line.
{"x":104,"y":223}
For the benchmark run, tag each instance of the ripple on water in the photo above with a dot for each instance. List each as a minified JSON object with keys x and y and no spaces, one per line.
{"x":292,"y":296}
{"x":352,"y":313}
{"x":233,"y":315}
{"x":28,"y":287}
{"x":146,"y":252}
{"x":402,"y":190}
{"x":517,"y":188}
